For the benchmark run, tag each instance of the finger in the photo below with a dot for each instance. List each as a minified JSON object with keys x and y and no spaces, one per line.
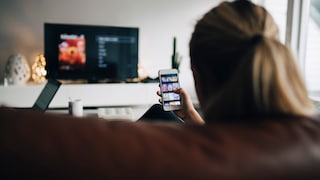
{"x":185,"y":98}
{"x":184,"y":95}
{"x":179,"y":91}
{"x":159,"y":93}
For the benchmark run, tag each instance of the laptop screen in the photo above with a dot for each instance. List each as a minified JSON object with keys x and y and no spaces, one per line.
{"x":46,"y":95}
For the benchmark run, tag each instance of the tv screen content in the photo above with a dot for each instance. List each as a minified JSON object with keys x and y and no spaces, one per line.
{"x":89,"y":52}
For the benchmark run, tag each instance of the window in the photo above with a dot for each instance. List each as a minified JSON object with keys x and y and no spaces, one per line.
{"x":312,"y":52}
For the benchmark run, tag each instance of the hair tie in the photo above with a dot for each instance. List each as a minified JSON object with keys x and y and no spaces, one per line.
{"x":256,"y":39}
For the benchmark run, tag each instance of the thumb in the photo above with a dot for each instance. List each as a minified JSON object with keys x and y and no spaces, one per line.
{"x":184,"y":95}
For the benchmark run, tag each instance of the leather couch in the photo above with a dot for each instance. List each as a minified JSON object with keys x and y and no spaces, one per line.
{"x":34,"y":145}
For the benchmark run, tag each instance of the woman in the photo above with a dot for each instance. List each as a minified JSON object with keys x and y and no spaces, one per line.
{"x":241,"y":69}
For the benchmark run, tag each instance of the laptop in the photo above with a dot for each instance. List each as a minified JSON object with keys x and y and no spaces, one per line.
{"x":46,"y":95}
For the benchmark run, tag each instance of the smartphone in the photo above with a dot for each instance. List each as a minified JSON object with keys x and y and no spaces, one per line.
{"x":169,"y":81}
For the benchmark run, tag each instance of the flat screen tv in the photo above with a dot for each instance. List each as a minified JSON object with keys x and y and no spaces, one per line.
{"x":89,"y":52}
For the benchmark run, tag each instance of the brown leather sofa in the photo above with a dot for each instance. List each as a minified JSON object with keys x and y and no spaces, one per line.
{"x":51,"y":146}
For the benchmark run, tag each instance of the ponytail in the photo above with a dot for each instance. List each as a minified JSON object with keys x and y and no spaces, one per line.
{"x":267,"y":82}
{"x":277,"y":83}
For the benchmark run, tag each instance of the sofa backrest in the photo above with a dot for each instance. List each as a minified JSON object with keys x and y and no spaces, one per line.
{"x":36,"y":145}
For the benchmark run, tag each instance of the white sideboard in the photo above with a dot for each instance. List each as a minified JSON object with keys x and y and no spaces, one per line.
{"x":92,"y":95}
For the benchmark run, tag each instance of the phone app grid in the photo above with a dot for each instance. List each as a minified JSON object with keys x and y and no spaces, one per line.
{"x":172,"y":103}
{"x":171,"y":96}
{"x":169,"y":78}
{"x":167,"y":87}
{"x":170,"y":84}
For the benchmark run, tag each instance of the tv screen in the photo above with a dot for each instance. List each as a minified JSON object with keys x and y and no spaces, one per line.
{"x":91,"y":52}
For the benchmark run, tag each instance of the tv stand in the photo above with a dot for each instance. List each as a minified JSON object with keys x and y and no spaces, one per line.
{"x":92,"y":95}
{"x":110,"y":81}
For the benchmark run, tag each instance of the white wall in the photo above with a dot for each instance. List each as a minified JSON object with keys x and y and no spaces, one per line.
{"x":159,"y":20}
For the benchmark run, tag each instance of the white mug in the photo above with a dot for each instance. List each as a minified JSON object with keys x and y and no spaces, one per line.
{"x":76,"y":108}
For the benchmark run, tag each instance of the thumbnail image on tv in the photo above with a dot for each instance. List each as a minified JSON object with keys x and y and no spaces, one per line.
{"x":72,"y":51}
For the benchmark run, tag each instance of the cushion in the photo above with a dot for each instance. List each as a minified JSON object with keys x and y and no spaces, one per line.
{"x":44,"y":145}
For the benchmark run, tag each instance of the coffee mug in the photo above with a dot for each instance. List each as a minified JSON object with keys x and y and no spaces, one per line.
{"x":76,"y":108}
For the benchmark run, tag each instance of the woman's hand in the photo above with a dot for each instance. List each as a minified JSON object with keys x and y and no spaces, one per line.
{"x":188,"y":113}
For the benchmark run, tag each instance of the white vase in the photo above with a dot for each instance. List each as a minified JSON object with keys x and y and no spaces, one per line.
{"x":17,"y":70}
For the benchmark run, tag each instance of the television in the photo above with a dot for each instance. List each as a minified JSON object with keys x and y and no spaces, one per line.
{"x":91,"y":52}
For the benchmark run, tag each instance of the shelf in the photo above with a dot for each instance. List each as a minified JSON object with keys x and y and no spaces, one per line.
{"x":92,"y":95}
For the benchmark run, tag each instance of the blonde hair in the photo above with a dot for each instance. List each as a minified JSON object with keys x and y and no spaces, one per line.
{"x":245,"y":69}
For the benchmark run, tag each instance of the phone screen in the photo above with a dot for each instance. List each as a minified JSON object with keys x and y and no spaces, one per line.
{"x":169,"y":81}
